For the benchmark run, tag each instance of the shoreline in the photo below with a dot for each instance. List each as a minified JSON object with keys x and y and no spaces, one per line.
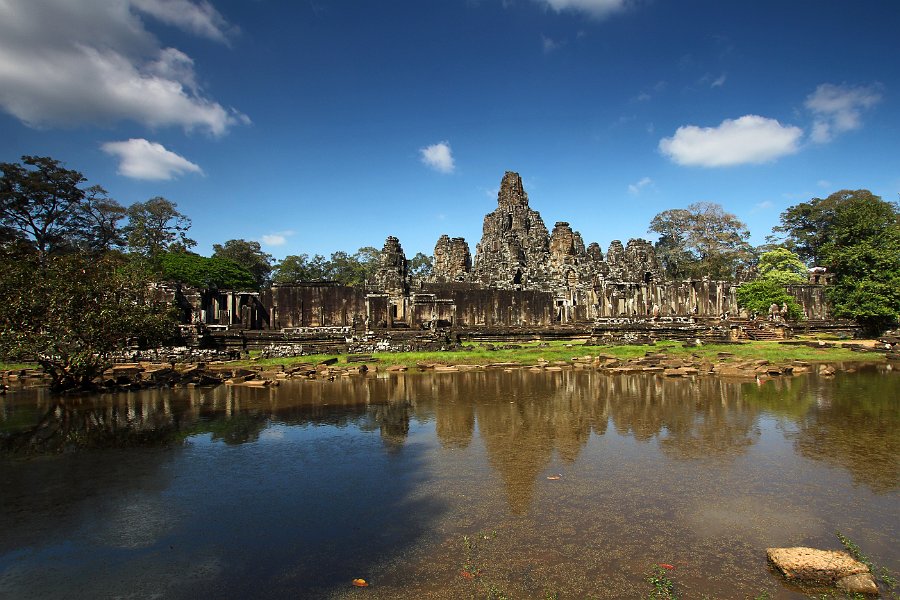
{"x":757,"y":360}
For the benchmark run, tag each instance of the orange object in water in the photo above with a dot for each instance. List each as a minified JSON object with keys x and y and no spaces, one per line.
{"x":667,"y":566}
{"x":554,"y":477}
{"x":360,"y":583}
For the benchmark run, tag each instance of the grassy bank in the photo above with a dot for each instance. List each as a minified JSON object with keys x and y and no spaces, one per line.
{"x":531,"y":353}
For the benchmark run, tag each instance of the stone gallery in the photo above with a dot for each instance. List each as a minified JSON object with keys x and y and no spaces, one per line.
{"x":520,"y":276}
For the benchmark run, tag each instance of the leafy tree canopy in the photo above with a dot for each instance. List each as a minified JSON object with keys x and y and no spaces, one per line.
{"x":701,"y":240}
{"x":781,"y":265}
{"x":202,"y":272}
{"x":420,"y":265}
{"x":863,"y":253}
{"x":295,"y":268}
{"x":249,"y":255}
{"x":156,"y":226}
{"x":347,"y":269}
{"x":807,"y":227}
{"x":757,"y":296}
{"x":71,"y":310}
{"x":44,"y":208}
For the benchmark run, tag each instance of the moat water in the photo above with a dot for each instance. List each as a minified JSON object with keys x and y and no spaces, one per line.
{"x":459,"y":485}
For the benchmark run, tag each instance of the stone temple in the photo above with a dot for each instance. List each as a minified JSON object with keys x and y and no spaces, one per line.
{"x":521,"y":277}
{"x":516,"y":252}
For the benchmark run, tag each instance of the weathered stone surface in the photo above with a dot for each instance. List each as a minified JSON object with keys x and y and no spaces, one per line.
{"x":452,"y":260}
{"x":514,"y":245}
{"x":812,"y":565}
{"x":392,"y":274}
{"x":862,"y":583}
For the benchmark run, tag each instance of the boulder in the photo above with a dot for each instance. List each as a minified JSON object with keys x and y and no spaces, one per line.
{"x":831,"y":567}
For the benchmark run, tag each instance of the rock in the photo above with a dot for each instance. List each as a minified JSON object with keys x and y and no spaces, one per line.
{"x":396,"y":369}
{"x":815,"y":566}
{"x":392,"y":274}
{"x":734,"y":371}
{"x":862,"y":583}
{"x":452,"y":259}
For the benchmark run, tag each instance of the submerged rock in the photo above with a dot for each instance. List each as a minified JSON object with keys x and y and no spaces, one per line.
{"x":829,"y":567}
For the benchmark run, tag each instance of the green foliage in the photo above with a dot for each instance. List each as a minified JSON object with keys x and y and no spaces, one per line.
{"x":354,"y":269}
{"x":804,"y":228}
{"x":420,"y":265}
{"x":69,"y":311}
{"x":783,"y":266}
{"x":663,"y":584}
{"x":156,"y":226}
{"x":757,"y":296}
{"x":863,"y":253}
{"x":43,"y":209}
{"x":295,"y":268}
{"x":248,"y":255}
{"x":701,"y":241}
{"x":344,"y":268}
{"x":202,"y":272}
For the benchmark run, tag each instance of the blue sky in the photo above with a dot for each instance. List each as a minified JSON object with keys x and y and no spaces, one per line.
{"x":322,"y":126}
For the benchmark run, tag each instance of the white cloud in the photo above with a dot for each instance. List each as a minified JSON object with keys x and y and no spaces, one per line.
{"x":838,"y":108}
{"x":719,"y":81}
{"x":635,"y":188}
{"x":141,"y":159}
{"x":749,"y":139}
{"x":278,"y":238}
{"x":439,"y":157}
{"x":201,"y":19}
{"x":595,"y":8}
{"x":64,"y":62}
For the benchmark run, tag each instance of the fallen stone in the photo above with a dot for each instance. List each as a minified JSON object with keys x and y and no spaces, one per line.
{"x":734,"y":371}
{"x":815,"y":566}
{"x":862,"y":583}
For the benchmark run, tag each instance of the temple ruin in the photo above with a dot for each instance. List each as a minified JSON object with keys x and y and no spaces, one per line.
{"x":522,"y":278}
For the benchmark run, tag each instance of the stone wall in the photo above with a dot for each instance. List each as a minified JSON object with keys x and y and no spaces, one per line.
{"x":319,"y":304}
{"x":522,"y":276}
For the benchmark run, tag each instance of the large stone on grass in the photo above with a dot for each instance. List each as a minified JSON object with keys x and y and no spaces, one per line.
{"x":829,"y":567}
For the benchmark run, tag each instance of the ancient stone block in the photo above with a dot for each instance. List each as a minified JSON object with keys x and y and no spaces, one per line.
{"x":392,"y":276}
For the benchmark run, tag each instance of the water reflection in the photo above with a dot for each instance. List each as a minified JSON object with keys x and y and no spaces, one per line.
{"x":307,"y":485}
{"x":522,"y":418}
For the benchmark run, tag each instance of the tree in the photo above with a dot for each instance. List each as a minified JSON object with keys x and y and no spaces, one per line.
{"x":777,"y":268}
{"x":781,"y":265}
{"x":296,"y":268}
{"x":70,"y":311}
{"x":249,"y":255}
{"x":155,"y":226}
{"x":804,"y":227}
{"x":100,"y":222}
{"x":863,"y":253}
{"x":420,"y":265}
{"x":701,"y":240}
{"x":41,"y":203}
{"x":354,"y":269}
{"x":207,"y":273}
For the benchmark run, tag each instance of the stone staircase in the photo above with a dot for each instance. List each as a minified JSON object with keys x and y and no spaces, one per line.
{"x":764,"y":334}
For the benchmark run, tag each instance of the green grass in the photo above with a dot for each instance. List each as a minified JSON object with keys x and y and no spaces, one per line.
{"x":531,"y":354}
{"x":5,"y":366}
